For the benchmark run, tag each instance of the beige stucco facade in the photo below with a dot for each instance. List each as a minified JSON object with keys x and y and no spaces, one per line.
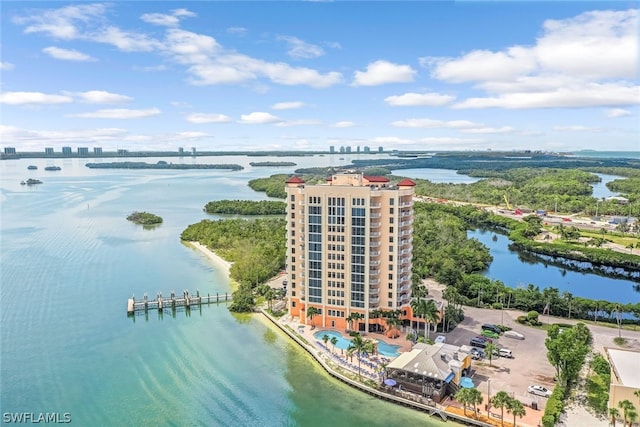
{"x":625,"y":375}
{"x":349,"y":248}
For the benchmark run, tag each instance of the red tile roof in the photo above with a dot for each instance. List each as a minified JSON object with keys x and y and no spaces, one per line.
{"x":376,"y":178}
{"x":407,"y":183}
{"x":294,"y":180}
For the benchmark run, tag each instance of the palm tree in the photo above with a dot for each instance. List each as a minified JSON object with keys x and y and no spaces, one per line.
{"x":489,"y":349}
{"x":431,"y":314}
{"x":517,"y":409}
{"x":334,"y":341}
{"x":626,"y":406}
{"x":270,"y":295}
{"x":358,"y":345}
{"x":633,"y":417}
{"x":417,"y":305}
{"x":325,"y":338}
{"x":464,"y":397}
{"x":614,"y":414}
{"x":311,"y":313}
{"x":500,"y":400}
{"x":476,"y":399}
{"x":637,"y":394}
{"x":353,"y":317}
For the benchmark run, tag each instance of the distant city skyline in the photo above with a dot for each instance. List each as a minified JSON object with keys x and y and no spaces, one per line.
{"x":264,"y":76}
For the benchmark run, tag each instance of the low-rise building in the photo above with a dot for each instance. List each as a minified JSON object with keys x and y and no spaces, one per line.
{"x":625,"y":375}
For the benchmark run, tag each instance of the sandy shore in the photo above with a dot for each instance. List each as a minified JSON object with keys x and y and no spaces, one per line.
{"x":213,"y":257}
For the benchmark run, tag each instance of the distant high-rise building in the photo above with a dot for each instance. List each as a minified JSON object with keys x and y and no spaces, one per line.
{"x":332,"y":149}
{"x":349,"y":249}
{"x":358,"y":149}
{"x":367,"y":149}
{"x":193,"y":151}
{"x":342,"y":148}
{"x":122,"y":152}
{"x":348,"y":149}
{"x":66,"y":151}
{"x":181,"y":150}
{"x":48,"y":151}
{"x":97,"y":151}
{"x":9,"y":150}
{"x":380,"y":149}
{"x":83,"y":151}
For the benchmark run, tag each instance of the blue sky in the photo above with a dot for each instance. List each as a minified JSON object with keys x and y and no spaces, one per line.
{"x":557,"y":76}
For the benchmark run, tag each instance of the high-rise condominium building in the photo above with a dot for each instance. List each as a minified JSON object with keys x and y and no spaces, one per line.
{"x":349,"y":249}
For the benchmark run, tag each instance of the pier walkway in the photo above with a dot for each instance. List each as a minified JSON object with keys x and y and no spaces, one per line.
{"x":186,"y":300}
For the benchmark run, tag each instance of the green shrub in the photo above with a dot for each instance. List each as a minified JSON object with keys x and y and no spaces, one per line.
{"x":504,"y":328}
{"x":522,"y":319}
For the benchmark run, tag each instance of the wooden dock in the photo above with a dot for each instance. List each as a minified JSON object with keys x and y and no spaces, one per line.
{"x":174,"y":301}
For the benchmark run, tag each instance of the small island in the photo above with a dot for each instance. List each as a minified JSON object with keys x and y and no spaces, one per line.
{"x":160,"y":165}
{"x":272,"y":164}
{"x":53,"y":168}
{"x":32,"y":181}
{"x":144,"y":218}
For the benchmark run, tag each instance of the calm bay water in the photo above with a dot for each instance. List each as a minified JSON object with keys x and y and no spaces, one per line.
{"x":513,"y":271}
{"x":69,"y":260}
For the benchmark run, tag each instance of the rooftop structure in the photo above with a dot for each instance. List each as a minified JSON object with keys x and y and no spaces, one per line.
{"x":625,"y":375}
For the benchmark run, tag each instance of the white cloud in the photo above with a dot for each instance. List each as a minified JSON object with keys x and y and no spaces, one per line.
{"x":575,"y":63}
{"x":617,"y":112}
{"x":301,"y":122}
{"x":578,"y":96}
{"x":287,"y":105}
{"x":66,"y":23}
{"x":33,"y":98}
{"x":576,"y":128}
{"x":48,"y":137}
{"x":6,"y":66}
{"x":446,"y":141}
{"x":392,"y":140}
{"x":167,"y":20}
{"x":102,"y":97}
{"x":126,"y":41}
{"x":67,"y":54}
{"x":208,"y":118}
{"x":259,"y":118}
{"x":118,"y":113}
{"x":240,"y":31}
{"x":343,"y":124}
{"x":434,"y":124}
{"x":382,"y":72}
{"x":299,"y":49}
{"x":150,"y":68}
{"x":419,"y":99}
{"x":485,"y":130}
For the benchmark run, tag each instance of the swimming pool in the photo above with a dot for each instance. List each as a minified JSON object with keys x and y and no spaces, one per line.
{"x":343,"y":343}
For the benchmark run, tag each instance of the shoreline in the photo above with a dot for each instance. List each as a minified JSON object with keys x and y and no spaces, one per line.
{"x":216,"y":260}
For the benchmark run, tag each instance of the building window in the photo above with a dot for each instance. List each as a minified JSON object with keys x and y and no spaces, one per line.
{"x":390,"y":294}
{"x":392,"y":201}
{"x":390,"y":276}
{"x":390,"y":285}
{"x":293,"y":303}
{"x":293,"y":197}
{"x":390,"y":229}
{"x":391,"y":220}
{"x":391,"y":211}
{"x":390,"y":258}
{"x":390,"y":239}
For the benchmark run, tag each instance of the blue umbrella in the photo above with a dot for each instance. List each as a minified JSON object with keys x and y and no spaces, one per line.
{"x":466,"y":382}
{"x":390,"y":382}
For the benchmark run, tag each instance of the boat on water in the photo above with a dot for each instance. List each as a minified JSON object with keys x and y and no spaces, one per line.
{"x":53,"y":168}
{"x":32,"y":167}
{"x":32,"y":181}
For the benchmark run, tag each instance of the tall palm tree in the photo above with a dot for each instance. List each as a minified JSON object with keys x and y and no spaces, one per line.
{"x":431,"y":315}
{"x":614,"y":414}
{"x":637,"y":394}
{"x":311,"y":313}
{"x":358,"y":345}
{"x":334,"y":341}
{"x":352,"y":318}
{"x":633,"y":417}
{"x":489,"y":349}
{"x":500,"y":400}
{"x":626,"y":406}
{"x":325,"y":338}
{"x":517,"y":409}
{"x":417,"y":306}
{"x":464,"y":397}
{"x":476,"y":399}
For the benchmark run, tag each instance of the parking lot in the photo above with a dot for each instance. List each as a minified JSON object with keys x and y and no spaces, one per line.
{"x":529,"y":364}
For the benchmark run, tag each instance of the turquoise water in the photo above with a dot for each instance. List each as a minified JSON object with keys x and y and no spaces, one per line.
{"x":68,"y":262}
{"x":343,"y":343}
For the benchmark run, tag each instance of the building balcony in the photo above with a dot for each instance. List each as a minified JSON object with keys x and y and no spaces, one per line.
{"x":301,"y":239}
{"x":405,"y":252}
{"x":374,"y":263}
{"x":374,"y":254}
{"x":404,"y":299}
{"x":375,"y":224}
{"x":374,"y":272}
{"x":407,"y":222}
{"x":301,"y":221}
{"x":405,"y":260}
{"x":405,"y":288}
{"x":405,"y":279}
{"x":403,"y":204}
{"x":375,"y":300}
{"x":406,"y":213}
{"x":374,"y":282}
{"x":404,"y":270}
{"x":406,"y":232}
{"x":375,"y":205}
{"x":375,"y":215}
{"x":375,"y":234}
{"x":374,"y":290}
{"x":406,"y":241}
{"x":374,"y":244}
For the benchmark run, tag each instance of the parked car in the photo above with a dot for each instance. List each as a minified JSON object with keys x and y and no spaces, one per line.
{"x":539,"y":390}
{"x":476,"y":353}
{"x":514,"y":335}
{"x":475,"y":342}
{"x":492,"y":328}
{"x":440,"y":339}
{"x":505,"y":352}
{"x":485,"y":339}
{"x":490,"y":334}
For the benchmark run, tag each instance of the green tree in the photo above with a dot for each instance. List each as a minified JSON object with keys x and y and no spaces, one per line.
{"x":311,"y":313}
{"x":501,"y":401}
{"x":614,"y":414}
{"x":469,"y":396}
{"x":358,"y":345}
{"x":516,"y":408}
{"x":325,"y":339}
{"x":626,"y":407}
{"x":567,"y":351}
{"x":353,"y":317}
{"x":489,"y":350}
{"x":334,"y":341}
{"x":431,"y":315}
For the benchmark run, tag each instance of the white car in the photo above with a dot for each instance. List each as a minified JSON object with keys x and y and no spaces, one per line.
{"x":539,"y":390}
{"x":440,"y":339}
{"x":514,"y":335}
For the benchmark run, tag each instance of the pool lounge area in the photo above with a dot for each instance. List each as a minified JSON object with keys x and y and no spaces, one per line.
{"x":384,"y":349}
